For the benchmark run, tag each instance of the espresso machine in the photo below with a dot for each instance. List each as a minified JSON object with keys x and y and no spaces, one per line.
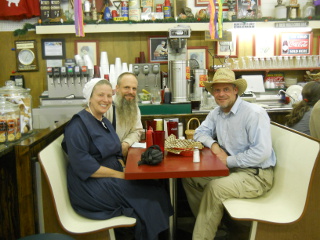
{"x":179,"y":71}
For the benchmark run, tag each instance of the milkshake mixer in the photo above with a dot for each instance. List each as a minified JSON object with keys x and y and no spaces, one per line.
{"x":179,"y":71}
{"x":148,"y":75}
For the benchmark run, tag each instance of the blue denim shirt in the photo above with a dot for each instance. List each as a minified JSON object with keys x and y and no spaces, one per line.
{"x":244,"y":133}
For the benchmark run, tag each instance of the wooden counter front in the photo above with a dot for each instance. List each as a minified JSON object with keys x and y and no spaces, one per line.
{"x":18,"y":199}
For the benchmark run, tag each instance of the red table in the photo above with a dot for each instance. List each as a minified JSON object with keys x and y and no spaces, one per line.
{"x":174,"y":166}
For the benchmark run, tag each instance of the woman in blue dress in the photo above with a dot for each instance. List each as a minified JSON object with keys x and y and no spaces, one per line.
{"x":96,"y":183}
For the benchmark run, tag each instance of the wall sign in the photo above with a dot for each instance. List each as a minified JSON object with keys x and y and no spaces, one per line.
{"x":292,"y":44}
{"x":264,"y":45}
{"x":26,"y":55}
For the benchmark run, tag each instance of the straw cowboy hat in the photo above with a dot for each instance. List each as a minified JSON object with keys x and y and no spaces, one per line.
{"x":225,"y":75}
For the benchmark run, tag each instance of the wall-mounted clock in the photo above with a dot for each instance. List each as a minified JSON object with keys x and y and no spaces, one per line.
{"x":26,"y":54}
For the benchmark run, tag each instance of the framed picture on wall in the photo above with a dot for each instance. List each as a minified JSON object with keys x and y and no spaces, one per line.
{"x":53,"y":48}
{"x":264,"y":45}
{"x":88,"y":47}
{"x":201,"y":3}
{"x":158,"y":49}
{"x":247,"y":8}
{"x":297,"y":43}
{"x":227,"y":48}
{"x":200,"y":54}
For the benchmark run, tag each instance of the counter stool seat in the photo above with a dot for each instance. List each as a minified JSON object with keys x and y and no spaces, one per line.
{"x":47,"y":236}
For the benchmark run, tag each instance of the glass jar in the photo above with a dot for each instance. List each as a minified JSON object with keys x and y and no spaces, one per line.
{"x":309,"y":9}
{"x":10,"y":130}
{"x":21,"y":97}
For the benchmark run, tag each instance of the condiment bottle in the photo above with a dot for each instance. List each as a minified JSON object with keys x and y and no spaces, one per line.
{"x":149,"y":139}
{"x":167,"y":96}
{"x":167,"y":9}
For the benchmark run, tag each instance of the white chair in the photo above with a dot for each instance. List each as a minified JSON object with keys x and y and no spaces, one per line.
{"x":54,"y":165}
{"x":296,"y":171}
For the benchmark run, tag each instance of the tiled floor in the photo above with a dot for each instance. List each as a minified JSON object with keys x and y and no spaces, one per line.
{"x":237,"y":230}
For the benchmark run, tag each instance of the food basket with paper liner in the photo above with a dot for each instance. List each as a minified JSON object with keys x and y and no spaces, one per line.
{"x":190,"y":132}
{"x":181,"y":146}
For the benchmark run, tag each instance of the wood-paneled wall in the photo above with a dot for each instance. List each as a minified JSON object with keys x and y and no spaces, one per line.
{"x":127,"y":46}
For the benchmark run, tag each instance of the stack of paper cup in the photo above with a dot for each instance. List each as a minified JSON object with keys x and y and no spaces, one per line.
{"x":124,"y":67}
{"x":130,"y":68}
{"x":117,"y":66}
{"x":88,"y":61}
{"x":79,"y":60}
{"x":112,"y":76}
{"x":104,"y":64}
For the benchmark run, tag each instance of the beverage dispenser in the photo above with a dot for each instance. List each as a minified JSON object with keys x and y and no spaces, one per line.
{"x":179,"y":72}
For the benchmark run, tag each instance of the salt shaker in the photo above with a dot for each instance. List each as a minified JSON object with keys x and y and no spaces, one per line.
{"x":196,"y":155}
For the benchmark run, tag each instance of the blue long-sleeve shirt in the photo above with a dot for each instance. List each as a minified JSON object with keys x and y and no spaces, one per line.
{"x":244,"y":133}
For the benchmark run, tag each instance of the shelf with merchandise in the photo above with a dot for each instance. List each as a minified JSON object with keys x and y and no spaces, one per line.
{"x":149,"y":25}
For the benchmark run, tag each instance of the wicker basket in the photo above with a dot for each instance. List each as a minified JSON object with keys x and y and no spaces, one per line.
{"x":190,"y":132}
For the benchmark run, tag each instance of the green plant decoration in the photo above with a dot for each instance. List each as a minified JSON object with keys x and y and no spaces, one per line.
{"x":24,"y":30}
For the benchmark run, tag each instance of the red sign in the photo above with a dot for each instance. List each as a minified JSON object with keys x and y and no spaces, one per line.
{"x":293,"y":44}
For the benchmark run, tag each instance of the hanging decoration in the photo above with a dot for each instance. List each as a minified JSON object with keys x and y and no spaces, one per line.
{"x":78,"y":18}
{"x":216,"y":18}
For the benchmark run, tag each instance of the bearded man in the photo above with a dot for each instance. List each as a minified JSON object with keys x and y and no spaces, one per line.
{"x":126,"y":116}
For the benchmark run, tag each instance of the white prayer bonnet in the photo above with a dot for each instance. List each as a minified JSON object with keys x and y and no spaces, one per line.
{"x":88,"y":87}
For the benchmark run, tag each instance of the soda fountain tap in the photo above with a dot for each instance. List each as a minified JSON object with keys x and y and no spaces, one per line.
{"x":70,"y":74}
{"x":63,"y":71}
{"x":56,"y":74}
{"x":77,"y":73}
{"x":84,"y":73}
{"x":50,"y":75}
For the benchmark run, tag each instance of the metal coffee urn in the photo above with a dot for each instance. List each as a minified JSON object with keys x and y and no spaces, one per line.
{"x":179,"y":72}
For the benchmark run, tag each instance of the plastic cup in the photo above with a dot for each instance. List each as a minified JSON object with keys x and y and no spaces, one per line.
{"x":151,"y":123}
{"x":158,"y":139}
{"x":172,"y":128}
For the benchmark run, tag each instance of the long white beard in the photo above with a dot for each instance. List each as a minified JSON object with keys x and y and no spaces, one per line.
{"x":126,"y":111}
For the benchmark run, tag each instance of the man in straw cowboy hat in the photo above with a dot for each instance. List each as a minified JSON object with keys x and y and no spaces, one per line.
{"x":238,"y":133}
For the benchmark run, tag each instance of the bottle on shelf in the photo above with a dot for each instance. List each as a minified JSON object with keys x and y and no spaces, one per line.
{"x":106,"y":12}
{"x":167,"y":9}
{"x":309,"y":9}
{"x":94,"y":13}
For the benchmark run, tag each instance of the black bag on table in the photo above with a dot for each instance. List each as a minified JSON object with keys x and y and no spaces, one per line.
{"x":152,"y":156}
